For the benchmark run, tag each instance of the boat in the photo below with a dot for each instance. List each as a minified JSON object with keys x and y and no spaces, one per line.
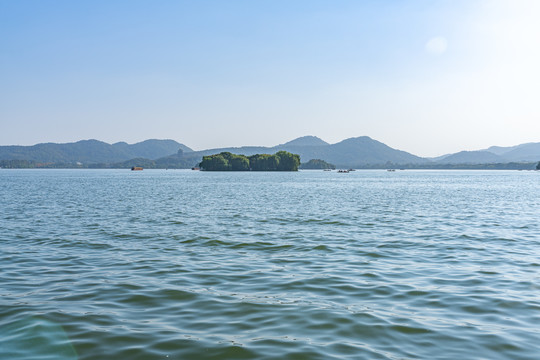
{"x":390,"y":169}
{"x":343,"y":171}
{"x":136,"y":168}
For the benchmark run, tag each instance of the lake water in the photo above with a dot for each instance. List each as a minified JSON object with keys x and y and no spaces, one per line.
{"x":178,"y":264}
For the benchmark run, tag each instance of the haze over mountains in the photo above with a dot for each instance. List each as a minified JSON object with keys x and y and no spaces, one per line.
{"x":353,"y":152}
{"x":91,"y":151}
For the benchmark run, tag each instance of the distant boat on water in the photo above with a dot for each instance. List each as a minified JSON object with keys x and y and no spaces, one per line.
{"x":136,"y":168}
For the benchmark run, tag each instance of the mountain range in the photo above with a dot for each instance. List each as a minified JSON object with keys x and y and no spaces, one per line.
{"x":495,"y":154}
{"x":352,"y":152}
{"x":357,"y":152}
{"x":91,"y":151}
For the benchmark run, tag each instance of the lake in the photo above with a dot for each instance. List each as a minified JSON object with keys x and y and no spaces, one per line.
{"x":180,"y":264}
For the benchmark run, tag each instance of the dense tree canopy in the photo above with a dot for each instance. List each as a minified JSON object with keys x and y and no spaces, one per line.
{"x":287,"y":161}
{"x":264,"y":162}
{"x":226,"y":161}
{"x":216,"y":162}
{"x":239,"y":163}
{"x":317,"y":164}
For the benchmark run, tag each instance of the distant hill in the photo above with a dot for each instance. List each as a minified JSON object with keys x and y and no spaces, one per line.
{"x":361,"y":151}
{"x":91,"y":151}
{"x":356,"y":152}
{"x":524,"y":152}
{"x":353,"y":152}
{"x":152,"y":149}
{"x":306,"y":141}
{"x":499,"y":150}
{"x":472,"y":157}
{"x":495,"y":154}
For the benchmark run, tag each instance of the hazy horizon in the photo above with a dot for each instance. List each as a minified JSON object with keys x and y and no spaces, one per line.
{"x":258,"y":145}
{"x":429,"y":78}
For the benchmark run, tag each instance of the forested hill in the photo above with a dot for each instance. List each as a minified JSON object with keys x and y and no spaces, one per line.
{"x":91,"y":151}
{"x":352,"y":152}
{"x":357,"y":152}
{"x":495,"y":154}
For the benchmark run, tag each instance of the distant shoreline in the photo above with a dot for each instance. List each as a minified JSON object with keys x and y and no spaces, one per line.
{"x":360,"y":152}
{"x":506,"y":166}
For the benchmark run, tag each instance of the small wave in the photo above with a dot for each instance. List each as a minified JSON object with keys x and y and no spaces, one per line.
{"x":410,"y":329}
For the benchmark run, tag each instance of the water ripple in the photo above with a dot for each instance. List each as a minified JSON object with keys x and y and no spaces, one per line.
{"x":311,"y":265}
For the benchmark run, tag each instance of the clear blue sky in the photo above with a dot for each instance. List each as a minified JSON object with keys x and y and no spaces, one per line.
{"x":428,"y":77}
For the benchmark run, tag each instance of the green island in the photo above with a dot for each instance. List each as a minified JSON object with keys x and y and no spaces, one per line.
{"x":317,"y":164}
{"x":226,"y":161}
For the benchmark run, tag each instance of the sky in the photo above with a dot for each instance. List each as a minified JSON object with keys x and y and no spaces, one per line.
{"x":427,"y":77}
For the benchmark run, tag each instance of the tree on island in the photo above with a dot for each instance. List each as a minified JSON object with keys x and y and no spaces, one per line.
{"x":226,"y":161}
{"x":287,"y":161}
{"x":264,"y":162}
{"x":239,"y":163}
{"x":216,"y":162}
{"x":317,"y":164}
